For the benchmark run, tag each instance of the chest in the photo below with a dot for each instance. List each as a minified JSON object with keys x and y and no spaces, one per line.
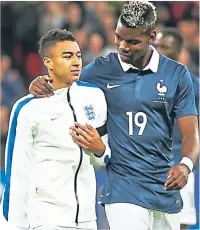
{"x":57,"y":117}
{"x":135,"y":92}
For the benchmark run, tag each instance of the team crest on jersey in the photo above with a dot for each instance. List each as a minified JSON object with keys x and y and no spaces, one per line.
{"x":89,"y":111}
{"x":162,"y":90}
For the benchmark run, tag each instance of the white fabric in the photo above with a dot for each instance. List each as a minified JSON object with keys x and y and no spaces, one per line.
{"x":153,"y":63}
{"x":82,"y":226}
{"x":133,"y":217}
{"x":4,"y":225}
{"x":45,"y":160}
{"x":188,"y":213}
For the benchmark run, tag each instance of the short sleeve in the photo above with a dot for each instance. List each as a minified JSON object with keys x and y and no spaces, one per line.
{"x":185,"y":98}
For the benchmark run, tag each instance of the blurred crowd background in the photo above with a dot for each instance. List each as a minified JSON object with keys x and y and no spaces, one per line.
{"x":93,"y":24}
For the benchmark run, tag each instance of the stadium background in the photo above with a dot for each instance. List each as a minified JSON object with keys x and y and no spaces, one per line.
{"x":93,"y":24}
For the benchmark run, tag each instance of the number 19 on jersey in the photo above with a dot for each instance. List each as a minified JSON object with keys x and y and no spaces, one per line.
{"x":136,"y":120}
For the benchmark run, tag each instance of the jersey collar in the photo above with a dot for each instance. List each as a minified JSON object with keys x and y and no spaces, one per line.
{"x":153,"y":64}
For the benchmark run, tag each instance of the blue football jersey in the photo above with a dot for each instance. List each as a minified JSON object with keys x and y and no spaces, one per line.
{"x":142,"y":106}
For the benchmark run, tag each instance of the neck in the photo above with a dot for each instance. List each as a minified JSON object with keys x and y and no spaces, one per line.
{"x":142,"y":62}
{"x":58,"y":84}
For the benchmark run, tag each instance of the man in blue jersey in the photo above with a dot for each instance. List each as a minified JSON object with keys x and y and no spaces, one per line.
{"x":169,"y":42}
{"x":145,"y":91}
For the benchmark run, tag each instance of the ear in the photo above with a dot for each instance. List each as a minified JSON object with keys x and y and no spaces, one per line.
{"x":48,"y":63}
{"x":152,"y":36}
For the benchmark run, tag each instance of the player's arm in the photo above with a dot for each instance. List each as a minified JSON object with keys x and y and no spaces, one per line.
{"x":18,"y":148}
{"x":186,"y":114}
{"x":190,"y":137}
{"x":94,"y":140}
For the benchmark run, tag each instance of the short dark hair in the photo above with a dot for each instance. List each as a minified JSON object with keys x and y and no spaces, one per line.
{"x":175,"y":34}
{"x":52,"y":37}
{"x":139,"y":14}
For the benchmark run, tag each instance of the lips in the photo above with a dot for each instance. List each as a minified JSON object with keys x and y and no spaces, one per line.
{"x":125,"y":58}
{"x":124,"y":55}
{"x":75,"y":71}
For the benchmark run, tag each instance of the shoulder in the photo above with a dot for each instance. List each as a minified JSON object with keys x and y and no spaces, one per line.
{"x":108,"y":59}
{"x":103,"y":60}
{"x":23,"y":105}
{"x":91,"y":90}
{"x":172,"y":65}
{"x":89,"y":87}
{"x":195,"y":81}
{"x":195,"y":78}
{"x":100,"y":65}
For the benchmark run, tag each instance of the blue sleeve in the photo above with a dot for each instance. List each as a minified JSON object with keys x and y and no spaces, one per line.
{"x":185,"y":99}
{"x":195,"y":80}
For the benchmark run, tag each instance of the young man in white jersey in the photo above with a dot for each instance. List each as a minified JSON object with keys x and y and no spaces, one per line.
{"x":50,"y":180}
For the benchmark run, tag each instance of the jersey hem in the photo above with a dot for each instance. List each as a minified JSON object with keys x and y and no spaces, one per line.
{"x":146,"y":207}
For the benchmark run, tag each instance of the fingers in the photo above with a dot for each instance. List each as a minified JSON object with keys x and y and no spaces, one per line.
{"x":80,"y":140}
{"x":82,"y":145}
{"x":80,"y":134}
{"x":87,"y":129}
{"x":90,"y":127}
{"x":47,"y":78}
{"x":44,"y":86}
{"x":38,"y":92}
{"x":176,"y":179}
{"x":177,"y":184}
{"x":170,"y":180}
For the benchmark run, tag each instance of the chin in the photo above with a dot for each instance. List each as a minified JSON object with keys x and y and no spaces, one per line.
{"x":75,"y":78}
{"x":127,"y":61}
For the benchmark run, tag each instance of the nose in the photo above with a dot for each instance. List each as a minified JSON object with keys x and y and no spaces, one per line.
{"x":77,"y":61}
{"x":123,"y":46}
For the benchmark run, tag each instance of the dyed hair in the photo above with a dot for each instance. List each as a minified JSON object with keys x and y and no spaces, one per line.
{"x":139,"y":14}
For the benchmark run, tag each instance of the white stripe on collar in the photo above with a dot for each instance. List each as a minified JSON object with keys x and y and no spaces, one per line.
{"x":153,"y":63}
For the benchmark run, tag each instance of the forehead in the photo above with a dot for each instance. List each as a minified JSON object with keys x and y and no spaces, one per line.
{"x":65,"y":46}
{"x":129,"y":33}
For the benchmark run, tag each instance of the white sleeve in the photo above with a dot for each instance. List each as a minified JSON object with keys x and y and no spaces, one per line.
{"x":18,"y":149}
{"x":5,"y":225}
{"x":101,"y":125}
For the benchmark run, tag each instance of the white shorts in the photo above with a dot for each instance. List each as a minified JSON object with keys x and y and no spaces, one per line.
{"x":188,"y":213}
{"x":133,"y":217}
{"x":82,"y":226}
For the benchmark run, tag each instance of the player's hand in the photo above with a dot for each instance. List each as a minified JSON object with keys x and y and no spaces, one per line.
{"x":177,"y":177}
{"x":88,"y":138}
{"x":41,"y":88}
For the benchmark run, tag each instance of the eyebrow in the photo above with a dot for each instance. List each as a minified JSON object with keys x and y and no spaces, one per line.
{"x":129,"y":40}
{"x":71,"y":53}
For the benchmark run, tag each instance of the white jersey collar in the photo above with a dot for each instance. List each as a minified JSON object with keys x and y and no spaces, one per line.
{"x":153,"y":64}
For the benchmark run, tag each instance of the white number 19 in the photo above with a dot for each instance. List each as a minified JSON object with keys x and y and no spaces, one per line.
{"x":141,"y":125}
